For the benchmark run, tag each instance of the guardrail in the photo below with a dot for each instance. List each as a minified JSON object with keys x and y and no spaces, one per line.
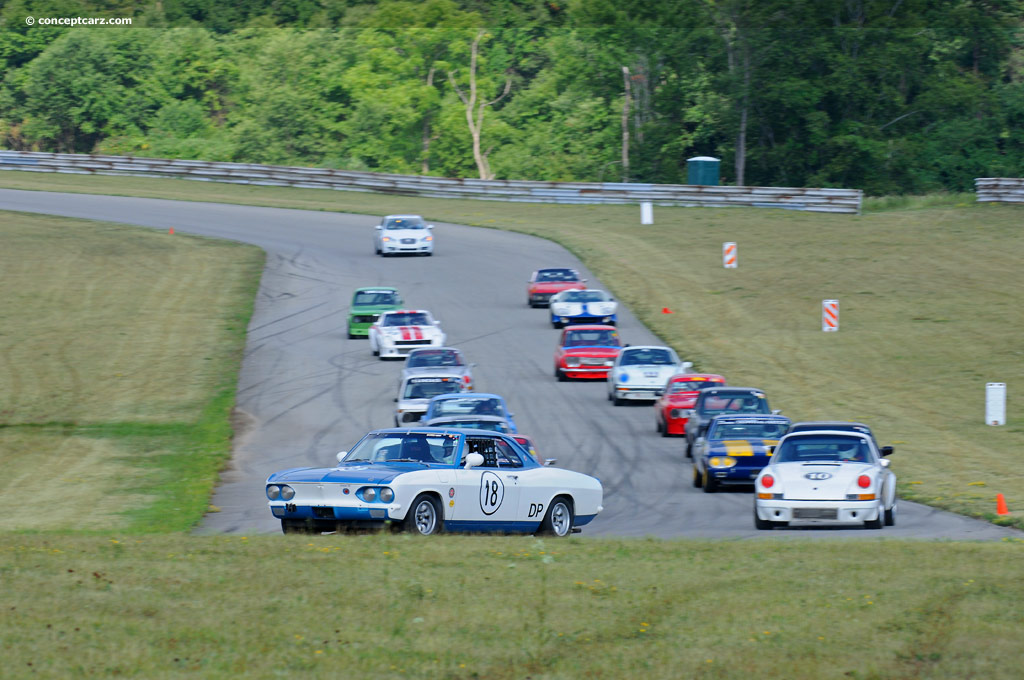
{"x":814,"y":200}
{"x":999,"y":190}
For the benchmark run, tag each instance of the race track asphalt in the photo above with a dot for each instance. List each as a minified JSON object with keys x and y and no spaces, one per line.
{"x":306,"y":391}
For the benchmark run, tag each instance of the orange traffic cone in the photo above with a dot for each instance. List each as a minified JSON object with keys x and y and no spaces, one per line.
{"x":666,"y":310}
{"x":1001,"y":508}
{"x":171,"y":232}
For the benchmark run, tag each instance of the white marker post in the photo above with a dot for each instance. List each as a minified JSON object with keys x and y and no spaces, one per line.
{"x":830,"y":315}
{"x":995,"y":403}
{"x":729,"y":255}
{"x":646,"y":213}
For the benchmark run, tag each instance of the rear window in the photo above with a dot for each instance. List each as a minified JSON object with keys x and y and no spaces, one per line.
{"x":733,"y":403}
{"x":824,"y":449}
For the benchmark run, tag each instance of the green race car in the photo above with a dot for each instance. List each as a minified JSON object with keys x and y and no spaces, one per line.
{"x":367,"y":305}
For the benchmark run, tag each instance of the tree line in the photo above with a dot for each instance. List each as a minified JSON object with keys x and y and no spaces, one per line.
{"x":889,"y":96}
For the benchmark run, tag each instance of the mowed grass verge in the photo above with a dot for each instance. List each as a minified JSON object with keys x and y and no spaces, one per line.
{"x":119,"y":356}
{"x":164,"y":606}
{"x":927,"y":288}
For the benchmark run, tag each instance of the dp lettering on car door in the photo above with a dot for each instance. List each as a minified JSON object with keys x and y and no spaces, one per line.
{"x":489,"y":493}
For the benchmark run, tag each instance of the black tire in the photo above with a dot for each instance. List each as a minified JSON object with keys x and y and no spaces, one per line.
{"x":616,"y":401}
{"x":890,"y":515}
{"x":659,"y":428}
{"x":561,"y":376}
{"x":710,"y":483}
{"x":295,"y":526}
{"x":696,"y":478}
{"x":559,"y":519}
{"x":762,"y":524}
{"x":689,"y":449}
{"x":424,"y":516}
{"x":875,"y":523}
{"x":556,"y":325}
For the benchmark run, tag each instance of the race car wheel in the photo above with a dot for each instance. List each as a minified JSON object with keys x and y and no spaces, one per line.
{"x":762,"y":524}
{"x":559,"y":519}
{"x":890,"y":516}
{"x":295,"y":526}
{"x":710,"y":483}
{"x":561,"y":376}
{"x":876,"y":523}
{"x":689,"y":449}
{"x":424,"y":516}
{"x":696,"y":477}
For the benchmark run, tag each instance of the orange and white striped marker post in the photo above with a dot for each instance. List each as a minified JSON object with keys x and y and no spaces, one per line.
{"x":729,"y":255}
{"x":830,"y":315}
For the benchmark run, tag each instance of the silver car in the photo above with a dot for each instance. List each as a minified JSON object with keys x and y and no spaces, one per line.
{"x":439,"y":361}
{"x":397,"y":234}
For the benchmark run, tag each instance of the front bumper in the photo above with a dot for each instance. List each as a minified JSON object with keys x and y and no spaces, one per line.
{"x":838,"y":512}
{"x":402,"y":350}
{"x":540,"y":298}
{"x":592,"y":372}
{"x":737,"y":474}
{"x":570,"y":320}
{"x":333,"y":513}
{"x":408,"y":247}
{"x":640,"y":393}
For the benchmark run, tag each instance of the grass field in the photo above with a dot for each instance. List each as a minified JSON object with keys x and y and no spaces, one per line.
{"x":120,"y":349}
{"x":168,"y":606}
{"x":119,"y":355}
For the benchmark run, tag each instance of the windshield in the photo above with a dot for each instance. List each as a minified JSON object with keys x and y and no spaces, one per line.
{"x":728,"y":403}
{"x":640,"y":357}
{"x":596,"y":337}
{"x":434,"y":357}
{"x":582,"y":296}
{"x":376,"y":297}
{"x":425,"y":388}
{"x":824,"y":448}
{"x":405,"y":223}
{"x":479,"y":406}
{"x":407,"y":319}
{"x":424,"y":447}
{"x":691,"y":385}
{"x":557,"y":275}
{"x":750,"y":430}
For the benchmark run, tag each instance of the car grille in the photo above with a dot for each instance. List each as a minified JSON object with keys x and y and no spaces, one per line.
{"x":590,"y":361}
{"x":364,"y":318}
{"x":408,"y":241}
{"x":412,"y":342}
{"x":815,"y":513}
{"x":323,"y":513}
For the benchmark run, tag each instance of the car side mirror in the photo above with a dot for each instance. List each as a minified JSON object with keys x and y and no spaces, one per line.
{"x":887,"y":450}
{"x":437,"y":323}
{"x":430,"y":226}
{"x":378,"y":227}
{"x":396,"y":398}
{"x":686,"y":366}
{"x":474,"y":460}
{"x":341,"y":454}
{"x":885,"y":462}
{"x":771,"y":450}
{"x":550,"y":462}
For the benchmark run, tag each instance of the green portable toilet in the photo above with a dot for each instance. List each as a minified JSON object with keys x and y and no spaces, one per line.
{"x":702,"y":170}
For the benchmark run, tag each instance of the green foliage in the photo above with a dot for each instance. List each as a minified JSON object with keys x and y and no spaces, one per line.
{"x":889,"y":97}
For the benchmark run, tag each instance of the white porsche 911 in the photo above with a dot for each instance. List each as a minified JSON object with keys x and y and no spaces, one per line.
{"x":397,"y":333}
{"x":642,"y":372}
{"x":825,"y":476}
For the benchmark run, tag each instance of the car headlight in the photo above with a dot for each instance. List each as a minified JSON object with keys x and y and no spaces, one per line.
{"x":721,"y":461}
{"x":427,"y":238}
{"x":385,"y":239}
{"x":369,"y":494}
{"x":572,"y":361}
{"x":287,"y":493}
{"x":273,"y":492}
{"x":387,"y":495}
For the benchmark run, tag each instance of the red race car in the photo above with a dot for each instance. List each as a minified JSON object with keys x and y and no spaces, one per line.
{"x":544,"y":283}
{"x":586,"y":351}
{"x":679,"y":395}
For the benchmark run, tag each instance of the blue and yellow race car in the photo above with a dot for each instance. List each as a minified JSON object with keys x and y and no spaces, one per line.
{"x":735,"y":448}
